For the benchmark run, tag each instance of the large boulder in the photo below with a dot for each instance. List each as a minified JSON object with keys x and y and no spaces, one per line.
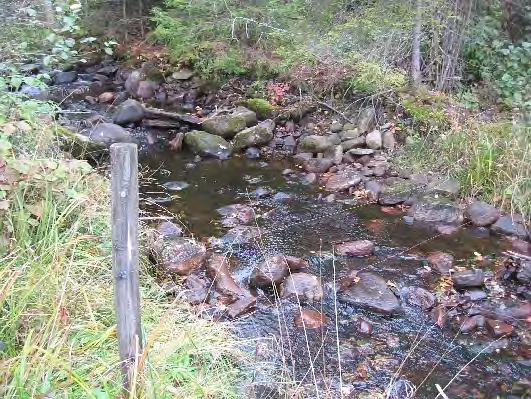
{"x":315,"y":144}
{"x":273,"y":270}
{"x":207,"y":144}
{"x":302,"y":287}
{"x":109,"y":133}
{"x":436,"y":209}
{"x":343,"y":180}
{"x":130,"y":111}
{"x":254,"y":136}
{"x":178,"y":255}
{"x":482,"y":214}
{"x":370,"y":291}
{"x":227,"y":125}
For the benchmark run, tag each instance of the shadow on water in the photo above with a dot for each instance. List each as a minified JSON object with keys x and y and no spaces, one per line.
{"x":305,"y":225}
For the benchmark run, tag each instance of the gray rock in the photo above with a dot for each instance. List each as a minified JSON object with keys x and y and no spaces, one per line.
{"x":338,"y":154}
{"x":482,"y":214}
{"x":343,"y":180}
{"x":355,"y":248}
{"x":197,"y":289}
{"x":133,"y":81}
{"x":130,"y":111}
{"x":398,"y":193}
{"x":510,"y":225}
{"x":353,"y":143}
{"x":206,"y":144}
{"x":318,"y":165}
{"x":349,"y":134}
{"x":375,"y":188}
{"x":361,"y":151}
{"x":371,"y":292}
{"x":229,"y":124}
{"x":302,"y":287}
{"x":146,"y":89}
{"x":336,"y":127}
{"x":254,"y":136}
{"x":178,"y":255}
{"x":475,"y":294}
{"x":366,"y":119}
{"x":388,"y":140}
{"x":302,"y":157}
{"x":241,"y":235}
{"x":436,"y":209}
{"x":61,"y":78}
{"x":252,"y":152}
{"x":244,"y":214}
{"x":445,"y":186}
{"x":374,"y":140}
{"x":109,"y":133}
{"x":169,"y":229}
{"x":442,"y":262}
{"x":182,"y":74}
{"x":310,"y":178}
{"x":281,"y":197}
{"x":418,"y":297}
{"x":419,"y":178}
{"x":468,"y":278}
{"x":524,"y":272}
{"x":315,"y":144}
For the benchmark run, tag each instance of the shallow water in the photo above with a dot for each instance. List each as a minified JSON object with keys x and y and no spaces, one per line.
{"x":307,"y":226}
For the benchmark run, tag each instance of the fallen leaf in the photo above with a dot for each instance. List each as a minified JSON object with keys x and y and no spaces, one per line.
{"x":36,"y":209}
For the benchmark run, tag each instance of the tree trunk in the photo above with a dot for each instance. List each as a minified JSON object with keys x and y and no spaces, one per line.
{"x":416,"y":76}
{"x":49,"y":16}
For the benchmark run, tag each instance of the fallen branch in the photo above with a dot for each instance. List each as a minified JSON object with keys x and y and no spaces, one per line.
{"x":335,"y":110}
{"x":159,"y":113}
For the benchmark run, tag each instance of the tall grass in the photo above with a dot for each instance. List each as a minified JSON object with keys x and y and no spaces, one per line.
{"x":492,"y":161}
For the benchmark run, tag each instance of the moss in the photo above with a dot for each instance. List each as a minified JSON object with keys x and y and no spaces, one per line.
{"x":263,"y":108}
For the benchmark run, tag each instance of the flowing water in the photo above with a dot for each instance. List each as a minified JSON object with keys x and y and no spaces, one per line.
{"x":405,"y":350}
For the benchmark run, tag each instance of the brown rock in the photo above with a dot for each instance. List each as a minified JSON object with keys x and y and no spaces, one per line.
{"x":343,"y":180}
{"x":355,"y":248}
{"x":439,"y":316}
{"x":197,"y":289}
{"x":218,"y":269}
{"x":178,"y":255}
{"x":106,"y":97}
{"x":470,"y":324}
{"x":241,"y":306}
{"x":364,"y":327}
{"x":244,"y":213}
{"x":419,"y":297}
{"x":442,"y":262}
{"x":303,"y":287}
{"x":169,"y":229}
{"x":296,"y":264}
{"x":497,"y":328}
{"x":273,"y":270}
{"x":310,"y":319}
{"x":521,"y":247}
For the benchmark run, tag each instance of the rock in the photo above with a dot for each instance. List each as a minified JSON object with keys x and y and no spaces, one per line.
{"x":178,"y":255}
{"x":364,"y":327}
{"x":446,"y":230}
{"x":261,"y":192}
{"x":254,"y":136}
{"x":146,"y":89}
{"x":436,"y":209}
{"x":349,"y":134}
{"x":361,"y":151}
{"x":388,"y":140}
{"x":109,"y":133}
{"x":366,"y":119}
{"x":106,"y":97}
{"x":524,"y":272}
{"x":290,"y":143}
{"x":302,"y":287}
{"x":271,"y":271}
{"x":318,"y":165}
{"x":197,"y":289}
{"x":442,"y":262}
{"x":353,"y":143}
{"x":336,"y":127}
{"x":343,"y":180}
{"x":468,"y":278}
{"x":418,"y":297}
{"x":218,"y":269}
{"x":243,"y":213}
{"x":310,"y":178}
{"x":337,"y":155}
{"x":498,"y":329}
{"x":29,"y":69}
{"x":241,"y":306}
{"x":241,"y":235}
{"x":521,"y":247}
{"x":510,"y":226}
{"x":206,"y":144}
{"x":130,"y":111}
{"x":445,"y":186}
{"x":302,"y":157}
{"x":315,"y":144}
{"x":282,"y":197}
{"x":309,"y":319}
{"x":229,"y":124}
{"x":374,"y":140}
{"x":133,"y":81}
{"x":370,"y":292}
{"x":61,"y":78}
{"x":374,"y":189}
{"x":252,"y":153}
{"x":169,"y":229}
{"x":419,"y":178}
{"x":355,"y":248}
{"x":471,"y":324}
{"x":296,"y":264}
{"x":439,"y":316}
{"x":398,"y":193}
{"x":182,"y":74}
{"x":475,"y":294}
{"x":482,"y":214}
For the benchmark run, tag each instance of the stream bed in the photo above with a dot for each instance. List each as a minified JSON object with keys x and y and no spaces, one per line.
{"x":395,"y":353}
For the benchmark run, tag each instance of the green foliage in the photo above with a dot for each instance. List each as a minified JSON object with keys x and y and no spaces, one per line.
{"x":428,"y":111}
{"x":506,"y":66}
{"x":262,"y":107}
{"x":371,"y":78}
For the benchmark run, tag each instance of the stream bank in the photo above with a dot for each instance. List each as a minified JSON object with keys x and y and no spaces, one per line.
{"x":387,"y":256}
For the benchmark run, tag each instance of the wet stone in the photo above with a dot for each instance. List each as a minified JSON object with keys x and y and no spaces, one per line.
{"x":524,"y":272}
{"x":468,"y":278}
{"x":241,"y":235}
{"x":252,"y":153}
{"x":509,"y":226}
{"x":303,"y":287}
{"x":309,"y":319}
{"x":355,"y":248}
{"x":175,"y":185}
{"x":475,"y":294}
{"x":169,"y":229}
{"x":442,"y":262}
{"x":497,"y":328}
{"x":482,"y":214}
{"x":365,"y":327}
{"x":244,"y":213}
{"x":197,"y":289}
{"x":318,"y":165}
{"x":178,"y":255}
{"x":471,"y":324}
{"x":271,"y":271}
{"x":418,"y":297}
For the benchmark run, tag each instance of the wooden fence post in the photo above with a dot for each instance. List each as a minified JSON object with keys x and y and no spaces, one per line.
{"x":124,"y":218}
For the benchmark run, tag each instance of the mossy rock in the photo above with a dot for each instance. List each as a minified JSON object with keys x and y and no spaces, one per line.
{"x":228,"y":125}
{"x":254,"y":136}
{"x":207,"y":144}
{"x":263,"y":108}
{"x":78,"y":144}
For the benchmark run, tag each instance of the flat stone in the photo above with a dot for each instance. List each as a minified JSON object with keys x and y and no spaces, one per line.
{"x":343,"y":180}
{"x":361,"y":151}
{"x":510,"y":226}
{"x":445,"y":186}
{"x":442,"y":262}
{"x":482,"y":214}
{"x":302,"y":287}
{"x":182,"y":74}
{"x":349,"y":134}
{"x":498,"y":328}
{"x":418,"y":297}
{"x":355,"y":248}
{"x":371,"y":292}
{"x":310,"y":319}
{"x":169,"y":229}
{"x":468,"y":278}
{"x":436,"y":209}
{"x":397,"y":193}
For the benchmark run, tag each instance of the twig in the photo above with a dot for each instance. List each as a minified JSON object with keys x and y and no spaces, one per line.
{"x":335,"y":110}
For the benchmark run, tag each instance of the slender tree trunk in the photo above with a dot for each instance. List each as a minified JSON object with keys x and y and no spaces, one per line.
{"x":416,"y":76}
{"x":49,"y":16}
